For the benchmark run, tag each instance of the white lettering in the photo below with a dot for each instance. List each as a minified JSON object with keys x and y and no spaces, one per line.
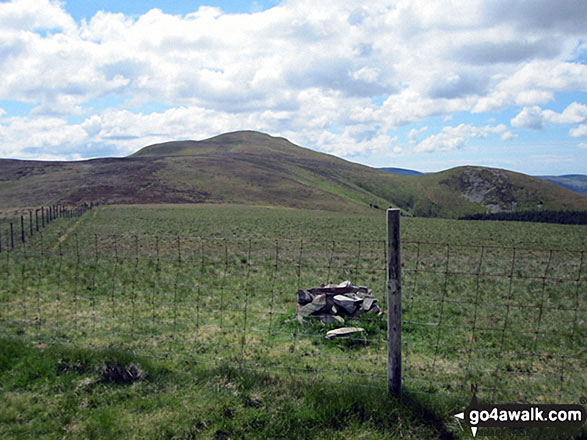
{"x":514,"y":416}
{"x":525,"y":416}
{"x":474,"y":417}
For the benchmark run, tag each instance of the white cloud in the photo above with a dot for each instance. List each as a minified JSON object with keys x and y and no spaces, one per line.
{"x":414,"y":133}
{"x":508,"y":135}
{"x":368,"y":74}
{"x":532,"y":83}
{"x":352,"y":142}
{"x":33,"y":15}
{"x":302,"y":67}
{"x":575,"y":113}
{"x":529,"y":117}
{"x":454,"y":138}
{"x":535,"y":118}
{"x":29,"y":138}
{"x":580,"y":131}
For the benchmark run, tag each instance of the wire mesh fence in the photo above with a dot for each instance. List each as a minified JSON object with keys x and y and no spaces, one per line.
{"x":510,"y":321}
{"x":210,"y":300}
{"x":21,"y":226}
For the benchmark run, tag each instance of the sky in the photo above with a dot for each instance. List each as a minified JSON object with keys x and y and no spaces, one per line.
{"x":418,"y":84}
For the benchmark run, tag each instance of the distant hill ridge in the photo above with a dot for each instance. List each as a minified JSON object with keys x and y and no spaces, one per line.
{"x":255,"y":168}
{"x":574,"y":182}
{"x":401,"y":171}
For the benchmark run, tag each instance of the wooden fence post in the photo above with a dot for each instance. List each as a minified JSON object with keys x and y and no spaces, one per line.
{"x":11,"y":236}
{"x":394,"y":304}
{"x":22,"y":228}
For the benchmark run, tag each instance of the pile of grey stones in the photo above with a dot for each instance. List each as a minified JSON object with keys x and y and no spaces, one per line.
{"x":333,"y":303}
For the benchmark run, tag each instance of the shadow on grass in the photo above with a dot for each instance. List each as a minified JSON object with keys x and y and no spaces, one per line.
{"x":189,"y":400}
{"x":59,"y":391}
{"x":315,"y":409}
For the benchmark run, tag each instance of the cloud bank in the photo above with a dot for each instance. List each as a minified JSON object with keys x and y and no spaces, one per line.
{"x":340,"y":77}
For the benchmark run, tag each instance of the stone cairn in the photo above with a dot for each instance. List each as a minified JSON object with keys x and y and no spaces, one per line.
{"x":333,"y":303}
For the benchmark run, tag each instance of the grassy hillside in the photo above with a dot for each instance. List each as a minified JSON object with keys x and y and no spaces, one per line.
{"x":242,"y":167}
{"x":476,"y":189}
{"x":172,"y":400}
{"x":254,"y":168}
{"x":209,"y":325}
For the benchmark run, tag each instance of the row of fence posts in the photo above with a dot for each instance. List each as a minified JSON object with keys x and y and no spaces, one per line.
{"x":394,"y":306}
{"x":43,"y":216}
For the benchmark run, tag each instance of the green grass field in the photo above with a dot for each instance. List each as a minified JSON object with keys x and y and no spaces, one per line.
{"x":207,"y":294}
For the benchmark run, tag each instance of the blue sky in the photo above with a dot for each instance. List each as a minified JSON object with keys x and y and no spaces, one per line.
{"x":86,"y":9}
{"x":403,"y":83}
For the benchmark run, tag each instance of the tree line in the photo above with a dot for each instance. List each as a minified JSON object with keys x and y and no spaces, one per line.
{"x":560,"y":217}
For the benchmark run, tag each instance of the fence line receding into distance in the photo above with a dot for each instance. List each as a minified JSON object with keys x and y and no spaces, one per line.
{"x":27,"y":228}
{"x":509,"y":320}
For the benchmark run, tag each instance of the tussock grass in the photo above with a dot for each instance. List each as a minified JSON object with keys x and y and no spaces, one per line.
{"x":59,"y":392}
{"x":224,"y":315}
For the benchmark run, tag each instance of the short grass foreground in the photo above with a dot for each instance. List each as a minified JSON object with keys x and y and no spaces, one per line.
{"x":57,"y":392}
{"x":202,"y":300}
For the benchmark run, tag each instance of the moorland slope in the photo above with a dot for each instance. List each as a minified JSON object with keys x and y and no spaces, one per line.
{"x":255,"y":168}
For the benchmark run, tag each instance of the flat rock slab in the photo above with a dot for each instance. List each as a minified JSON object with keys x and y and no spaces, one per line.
{"x":319,"y":303}
{"x":348,"y":304}
{"x":310,"y":309}
{"x":344,"y":287}
{"x":368,"y":303}
{"x":343,"y":331}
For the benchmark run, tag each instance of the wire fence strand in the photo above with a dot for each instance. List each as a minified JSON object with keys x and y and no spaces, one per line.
{"x":509,"y":320}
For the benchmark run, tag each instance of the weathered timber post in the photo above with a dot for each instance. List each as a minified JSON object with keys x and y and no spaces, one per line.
{"x":11,"y":236}
{"x":394,"y":304}
{"x":43,"y":216}
{"x":31,"y":221}
{"x":22,"y":228}
{"x":37,"y":218}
